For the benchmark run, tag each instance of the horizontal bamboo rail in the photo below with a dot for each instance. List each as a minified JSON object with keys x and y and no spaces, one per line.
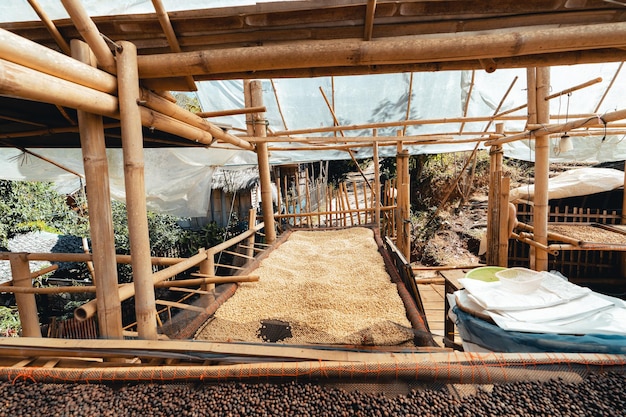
{"x":404,"y":50}
{"x":86,"y":257}
{"x":206,"y":280}
{"x":247,"y":110}
{"x":126,"y":291}
{"x":30,"y":54}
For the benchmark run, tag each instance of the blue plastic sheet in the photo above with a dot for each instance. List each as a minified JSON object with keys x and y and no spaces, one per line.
{"x":489,"y":336}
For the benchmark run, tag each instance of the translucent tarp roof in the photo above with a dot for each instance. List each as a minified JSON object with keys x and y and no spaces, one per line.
{"x":21,"y":11}
{"x":178,"y":180}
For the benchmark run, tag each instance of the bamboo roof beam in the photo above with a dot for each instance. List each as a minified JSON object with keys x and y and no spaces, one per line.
{"x":575,"y":88}
{"x":370,"y":12}
{"x":27,"y":53}
{"x":172,"y":40}
{"x":385,"y":51}
{"x":90,"y":33}
{"x":50,"y":26}
{"x":593,"y":121}
{"x":23,"y":82}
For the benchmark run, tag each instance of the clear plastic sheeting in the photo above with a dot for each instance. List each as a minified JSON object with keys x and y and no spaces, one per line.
{"x":178,"y":181}
{"x":12,"y":11}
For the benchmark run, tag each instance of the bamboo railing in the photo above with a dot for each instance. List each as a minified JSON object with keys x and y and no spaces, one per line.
{"x":204,"y":259}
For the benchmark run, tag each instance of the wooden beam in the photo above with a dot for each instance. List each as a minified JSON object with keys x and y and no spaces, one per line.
{"x":385,"y":51}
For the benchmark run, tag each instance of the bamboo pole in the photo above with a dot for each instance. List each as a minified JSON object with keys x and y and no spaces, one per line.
{"x":574,"y":88}
{"x":255,"y":94}
{"x":308,"y":196}
{"x":403,"y":50}
{"x":172,"y":40}
{"x":405,"y":208}
{"x":88,"y":30}
{"x":376,"y":183}
{"x":26,"y":303}
{"x":251,"y":224}
{"x":206,"y":267}
{"x":49,"y":24}
{"x":101,"y":218}
{"x":167,"y":108}
{"x":26,"y":83}
{"x":76,"y":289}
{"x":370,"y":12}
{"x":365,"y":204}
{"x":542,"y":171}
{"x":231,"y":112}
{"x":126,"y":291}
{"x":355,"y":191}
{"x":134,"y":181}
{"x":503,"y":234}
{"x":22,"y":51}
{"x":213,"y":279}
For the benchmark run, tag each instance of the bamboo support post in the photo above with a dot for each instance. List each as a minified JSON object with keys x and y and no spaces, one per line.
{"x":308,"y":205}
{"x":26,"y":303}
{"x":251,"y":224}
{"x":255,"y":94}
{"x":355,"y":191}
{"x":366,"y":211}
{"x":376,"y":184}
{"x":493,"y":210}
{"x":96,"y":168}
{"x":404,"y":204}
{"x":207,"y":267}
{"x":134,"y":181}
{"x":88,"y":30}
{"x":503,"y":233}
{"x":542,"y":170}
{"x":70,"y":289}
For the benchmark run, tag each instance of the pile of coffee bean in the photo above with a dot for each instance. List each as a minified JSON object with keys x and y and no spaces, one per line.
{"x":599,"y":394}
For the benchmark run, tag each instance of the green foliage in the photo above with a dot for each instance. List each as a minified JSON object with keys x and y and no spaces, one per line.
{"x":10,"y":325}
{"x":188,"y":101}
{"x":35,"y":206}
{"x":192,"y":240}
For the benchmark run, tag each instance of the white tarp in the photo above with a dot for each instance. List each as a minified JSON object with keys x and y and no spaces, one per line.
{"x":178,"y":181}
{"x":575,"y":182}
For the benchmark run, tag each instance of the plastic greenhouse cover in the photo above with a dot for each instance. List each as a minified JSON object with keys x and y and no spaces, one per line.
{"x":178,"y":180}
